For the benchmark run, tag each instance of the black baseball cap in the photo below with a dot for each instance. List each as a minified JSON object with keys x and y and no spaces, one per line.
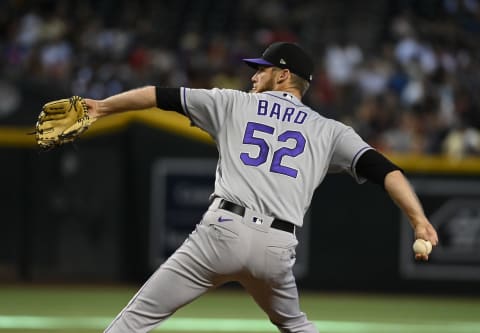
{"x":285,"y":55}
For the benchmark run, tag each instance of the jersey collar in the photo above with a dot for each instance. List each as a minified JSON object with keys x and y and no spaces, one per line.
{"x":286,"y":96}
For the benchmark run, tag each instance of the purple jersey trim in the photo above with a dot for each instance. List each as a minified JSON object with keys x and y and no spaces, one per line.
{"x":356,"y":157}
{"x":187,"y":113}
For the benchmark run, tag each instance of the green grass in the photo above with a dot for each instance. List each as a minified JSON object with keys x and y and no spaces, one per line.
{"x":332,"y":312}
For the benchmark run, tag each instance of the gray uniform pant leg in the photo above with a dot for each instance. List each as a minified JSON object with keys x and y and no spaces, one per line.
{"x":258,"y":257}
{"x":265,"y":257}
{"x":281,"y":304}
{"x":271,"y":281}
{"x":180,"y":280}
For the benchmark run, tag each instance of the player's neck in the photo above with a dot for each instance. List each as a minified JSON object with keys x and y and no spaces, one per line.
{"x":290,"y":90}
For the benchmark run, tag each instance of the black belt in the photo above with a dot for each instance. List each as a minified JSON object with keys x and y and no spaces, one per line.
{"x":240,"y":210}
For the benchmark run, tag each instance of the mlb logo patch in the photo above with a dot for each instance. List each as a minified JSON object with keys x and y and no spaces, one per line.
{"x":257,"y":220}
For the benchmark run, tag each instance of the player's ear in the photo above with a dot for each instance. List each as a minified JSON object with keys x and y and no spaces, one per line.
{"x":284,"y":74}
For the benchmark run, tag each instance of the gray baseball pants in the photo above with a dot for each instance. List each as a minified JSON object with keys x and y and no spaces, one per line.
{"x":224,"y":247}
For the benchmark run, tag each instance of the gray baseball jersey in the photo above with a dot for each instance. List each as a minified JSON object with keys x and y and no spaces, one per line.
{"x":273,"y":152}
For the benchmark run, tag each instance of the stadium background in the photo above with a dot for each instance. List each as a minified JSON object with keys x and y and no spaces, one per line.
{"x":404,"y":74}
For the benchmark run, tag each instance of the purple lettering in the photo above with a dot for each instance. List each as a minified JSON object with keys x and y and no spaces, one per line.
{"x":275,"y":112}
{"x":300,"y":118}
{"x":262,"y":107}
{"x":288,"y":114}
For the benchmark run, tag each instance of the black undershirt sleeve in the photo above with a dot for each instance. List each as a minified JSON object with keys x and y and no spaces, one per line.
{"x":374,"y":166}
{"x":169,"y":99}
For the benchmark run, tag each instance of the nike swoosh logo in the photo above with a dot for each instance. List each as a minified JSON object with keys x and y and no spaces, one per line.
{"x":224,"y":219}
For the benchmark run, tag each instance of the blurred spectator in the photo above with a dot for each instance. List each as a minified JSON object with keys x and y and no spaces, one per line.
{"x":413,"y":87}
{"x":462,"y":141}
{"x":341,"y":62}
{"x":405,"y":136}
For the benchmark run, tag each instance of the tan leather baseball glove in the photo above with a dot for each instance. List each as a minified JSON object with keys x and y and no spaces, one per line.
{"x":62,"y":121}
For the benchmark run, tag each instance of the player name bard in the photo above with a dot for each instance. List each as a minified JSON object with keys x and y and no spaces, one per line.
{"x":277,"y":111}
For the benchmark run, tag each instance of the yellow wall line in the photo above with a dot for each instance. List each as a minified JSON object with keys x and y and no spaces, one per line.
{"x":17,"y":137}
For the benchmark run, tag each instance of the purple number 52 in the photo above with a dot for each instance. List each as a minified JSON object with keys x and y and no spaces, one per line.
{"x":276,"y":165}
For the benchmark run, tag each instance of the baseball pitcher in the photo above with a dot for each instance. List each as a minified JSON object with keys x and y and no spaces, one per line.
{"x":274,"y":151}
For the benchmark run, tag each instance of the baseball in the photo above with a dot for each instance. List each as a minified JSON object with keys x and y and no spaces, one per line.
{"x":422,"y":247}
